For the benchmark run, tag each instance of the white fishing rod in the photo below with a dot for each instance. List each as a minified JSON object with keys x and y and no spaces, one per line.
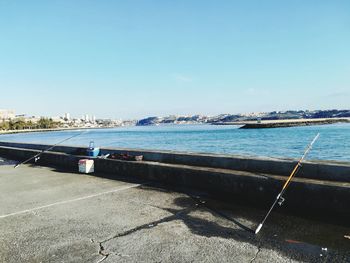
{"x":37,"y":156}
{"x":279,"y":198}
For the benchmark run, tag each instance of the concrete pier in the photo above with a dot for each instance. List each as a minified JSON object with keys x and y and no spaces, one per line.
{"x":48,"y":214}
{"x":321,"y":189}
{"x":169,"y":208}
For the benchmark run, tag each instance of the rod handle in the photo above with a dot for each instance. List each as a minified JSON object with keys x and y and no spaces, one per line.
{"x":258,"y":228}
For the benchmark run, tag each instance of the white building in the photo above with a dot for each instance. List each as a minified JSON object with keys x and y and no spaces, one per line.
{"x":7,"y":114}
{"x":67,"y":116}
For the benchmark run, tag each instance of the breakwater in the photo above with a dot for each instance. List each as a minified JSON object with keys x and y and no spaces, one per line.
{"x":292,"y":123}
{"x":320,"y":187}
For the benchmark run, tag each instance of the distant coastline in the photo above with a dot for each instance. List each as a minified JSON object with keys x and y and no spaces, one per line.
{"x":273,"y":119}
{"x":241,"y":119}
{"x":245,"y":125}
{"x":51,"y":130}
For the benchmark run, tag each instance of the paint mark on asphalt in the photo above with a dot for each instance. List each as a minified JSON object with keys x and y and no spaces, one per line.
{"x":69,"y":201}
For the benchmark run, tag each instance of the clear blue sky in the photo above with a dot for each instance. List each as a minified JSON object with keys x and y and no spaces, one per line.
{"x":131,"y":59}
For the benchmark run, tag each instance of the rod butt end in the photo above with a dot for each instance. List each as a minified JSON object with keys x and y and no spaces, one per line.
{"x":258,"y":228}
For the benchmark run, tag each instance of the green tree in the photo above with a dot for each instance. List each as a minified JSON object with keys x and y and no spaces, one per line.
{"x":17,"y":124}
{"x":46,"y":123}
{"x":4,"y":125}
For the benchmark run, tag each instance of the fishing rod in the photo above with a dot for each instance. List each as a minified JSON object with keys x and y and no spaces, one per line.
{"x":37,"y":156}
{"x":279,"y":198}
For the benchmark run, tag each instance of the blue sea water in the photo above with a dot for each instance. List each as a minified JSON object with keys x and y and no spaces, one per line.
{"x":333,"y":144}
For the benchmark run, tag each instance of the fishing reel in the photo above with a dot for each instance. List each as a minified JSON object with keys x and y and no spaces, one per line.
{"x":281,"y":200}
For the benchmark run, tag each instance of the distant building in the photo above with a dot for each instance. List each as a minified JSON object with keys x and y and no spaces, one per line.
{"x":7,"y":114}
{"x":67,"y":116}
{"x":57,"y":119}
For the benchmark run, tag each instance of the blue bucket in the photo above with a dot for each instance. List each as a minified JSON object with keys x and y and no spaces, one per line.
{"x":92,"y":151}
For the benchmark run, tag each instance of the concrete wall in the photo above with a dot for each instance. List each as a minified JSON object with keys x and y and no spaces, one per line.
{"x":304,"y":195}
{"x":320,"y":170}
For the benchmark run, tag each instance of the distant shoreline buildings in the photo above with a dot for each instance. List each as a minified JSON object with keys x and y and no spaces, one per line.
{"x":255,"y":116}
{"x":7,"y":114}
{"x":9,"y":120}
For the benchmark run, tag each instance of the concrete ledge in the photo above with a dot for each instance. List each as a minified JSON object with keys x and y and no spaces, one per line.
{"x":319,"y":170}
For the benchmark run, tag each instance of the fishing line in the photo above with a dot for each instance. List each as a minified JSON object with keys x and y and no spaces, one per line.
{"x":37,"y":156}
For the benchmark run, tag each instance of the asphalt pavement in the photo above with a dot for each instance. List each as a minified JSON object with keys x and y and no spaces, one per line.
{"x":51,"y":215}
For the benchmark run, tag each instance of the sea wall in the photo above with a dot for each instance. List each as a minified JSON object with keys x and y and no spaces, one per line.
{"x":320,"y":170}
{"x":255,"y":184}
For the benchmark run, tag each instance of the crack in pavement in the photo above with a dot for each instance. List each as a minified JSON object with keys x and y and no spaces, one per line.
{"x":198,"y":202}
{"x":256,"y":254}
{"x":149,"y":225}
{"x":101,"y":252}
{"x":102,"y":249}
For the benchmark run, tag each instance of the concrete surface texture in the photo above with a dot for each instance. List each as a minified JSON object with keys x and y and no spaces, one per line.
{"x":49,"y":215}
{"x":328,"y":195}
